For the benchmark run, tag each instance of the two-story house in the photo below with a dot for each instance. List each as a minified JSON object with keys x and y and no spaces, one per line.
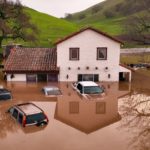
{"x":88,"y":54}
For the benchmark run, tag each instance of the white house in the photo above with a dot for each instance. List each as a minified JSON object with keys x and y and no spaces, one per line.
{"x":88,"y":54}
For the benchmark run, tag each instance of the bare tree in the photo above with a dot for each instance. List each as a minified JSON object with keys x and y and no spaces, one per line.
{"x":137,"y":27}
{"x":15,"y":23}
{"x":135,"y":113}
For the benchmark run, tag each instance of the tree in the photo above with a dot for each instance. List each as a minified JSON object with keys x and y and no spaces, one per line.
{"x":135,"y":118}
{"x":109,"y":13}
{"x":15,"y":23}
{"x":137,"y":26}
{"x":96,"y":8}
{"x":82,"y":16}
{"x":68,"y":16}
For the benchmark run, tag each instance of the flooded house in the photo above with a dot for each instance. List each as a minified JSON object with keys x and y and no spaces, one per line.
{"x":86,"y":55}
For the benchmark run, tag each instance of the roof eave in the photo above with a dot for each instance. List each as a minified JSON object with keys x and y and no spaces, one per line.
{"x":89,"y":28}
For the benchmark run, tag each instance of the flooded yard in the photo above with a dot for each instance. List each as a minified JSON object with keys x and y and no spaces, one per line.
{"x":118,"y":120}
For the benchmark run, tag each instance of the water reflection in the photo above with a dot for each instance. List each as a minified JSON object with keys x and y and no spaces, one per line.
{"x":135,"y":112}
{"x":7,"y":124}
{"x":73,"y":112}
{"x":89,"y":115}
{"x":73,"y":109}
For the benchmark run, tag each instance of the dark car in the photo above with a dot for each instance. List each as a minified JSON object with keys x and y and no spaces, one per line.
{"x":5,"y":94}
{"x":28,"y":114}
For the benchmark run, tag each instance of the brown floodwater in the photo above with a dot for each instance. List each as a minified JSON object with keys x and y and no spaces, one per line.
{"x":118,"y":120}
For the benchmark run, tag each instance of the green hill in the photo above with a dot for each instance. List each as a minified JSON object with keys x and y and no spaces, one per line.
{"x":109,"y":15}
{"x":50,"y":29}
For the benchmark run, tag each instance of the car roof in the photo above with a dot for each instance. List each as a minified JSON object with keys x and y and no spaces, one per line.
{"x":1,"y":87}
{"x":51,"y":88}
{"x":88,"y":83}
{"x":4,"y":91}
{"x":29,"y":108}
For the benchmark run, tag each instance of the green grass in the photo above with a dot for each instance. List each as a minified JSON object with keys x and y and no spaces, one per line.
{"x":50,"y":29}
{"x":112,"y":27}
{"x":110,"y":24}
{"x":134,"y":59}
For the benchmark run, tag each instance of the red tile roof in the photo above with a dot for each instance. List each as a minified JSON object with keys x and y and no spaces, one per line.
{"x":90,"y":28}
{"x":32,"y":60}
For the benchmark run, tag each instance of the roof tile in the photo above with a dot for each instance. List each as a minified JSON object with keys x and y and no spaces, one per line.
{"x":32,"y":59}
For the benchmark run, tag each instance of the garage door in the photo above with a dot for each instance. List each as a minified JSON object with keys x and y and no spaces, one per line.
{"x":31,"y":77}
{"x":88,"y":77}
{"x":42,"y":77}
{"x":52,"y":77}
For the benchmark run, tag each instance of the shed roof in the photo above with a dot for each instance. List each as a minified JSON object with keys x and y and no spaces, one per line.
{"x":32,"y":60}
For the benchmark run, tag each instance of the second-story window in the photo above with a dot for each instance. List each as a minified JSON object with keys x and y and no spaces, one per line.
{"x":102,"y":53}
{"x":74,"y":54}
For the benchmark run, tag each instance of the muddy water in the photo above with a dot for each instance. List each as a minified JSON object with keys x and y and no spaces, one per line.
{"x":116,"y":121}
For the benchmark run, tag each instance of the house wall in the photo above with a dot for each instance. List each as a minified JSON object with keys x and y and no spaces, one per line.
{"x":88,"y":41}
{"x":17,"y":77}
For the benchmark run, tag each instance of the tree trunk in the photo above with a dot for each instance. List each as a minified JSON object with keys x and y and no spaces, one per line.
{"x":1,"y":40}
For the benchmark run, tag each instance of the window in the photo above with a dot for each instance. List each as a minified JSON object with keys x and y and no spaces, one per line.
{"x":74,"y":53}
{"x":5,"y":96}
{"x":102,"y":53}
{"x":100,"y":107}
{"x":20,"y":118}
{"x":79,"y":87}
{"x":35,"y":118}
{"x":88,"y":77}
{"x":92,"y":90}
{"x":73,"y":107}
{"x":15,"y":114}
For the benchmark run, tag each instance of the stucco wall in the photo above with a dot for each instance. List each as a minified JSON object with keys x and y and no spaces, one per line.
{"x":88,"y":41}
{"x":17,"y":77}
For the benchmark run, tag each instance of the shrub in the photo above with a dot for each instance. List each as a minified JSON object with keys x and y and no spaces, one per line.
{"x":109,"y":14}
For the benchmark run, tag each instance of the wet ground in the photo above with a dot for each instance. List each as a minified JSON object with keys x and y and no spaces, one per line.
{"x":119,"y":120}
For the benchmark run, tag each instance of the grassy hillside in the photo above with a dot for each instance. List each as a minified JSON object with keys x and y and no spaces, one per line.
{"x":50,"y":29}
{"x":109,"y":15}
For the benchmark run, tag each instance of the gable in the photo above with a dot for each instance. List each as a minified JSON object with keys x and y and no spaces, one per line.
{"x":89,"y":29}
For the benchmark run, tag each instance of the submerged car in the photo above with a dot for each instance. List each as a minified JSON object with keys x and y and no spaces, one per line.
{"x":51,"y":91}
{"x":88,"y":87}
{"x":28,"y":114}
{"x":5,"y":94}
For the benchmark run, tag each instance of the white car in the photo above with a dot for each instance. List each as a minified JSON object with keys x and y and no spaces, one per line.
{"x":51,"y":91}
{"x":88,"y":87}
